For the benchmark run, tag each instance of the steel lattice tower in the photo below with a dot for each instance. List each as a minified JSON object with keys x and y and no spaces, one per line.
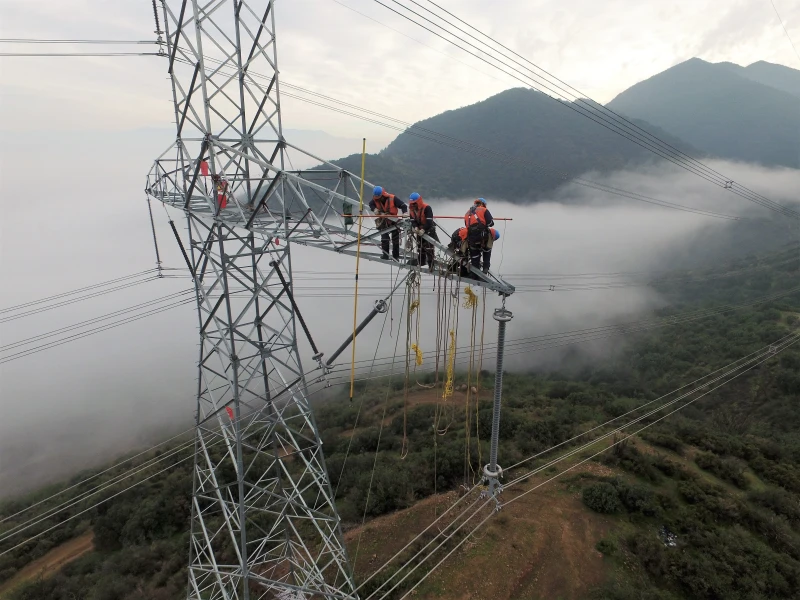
{"x":264,"y":523}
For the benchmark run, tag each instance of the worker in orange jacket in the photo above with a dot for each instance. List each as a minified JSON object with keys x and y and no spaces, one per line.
{"x":478,"y":221}
{"x":459,"y":243}
{"x":421,"y":215}
{"x":385,"y":204}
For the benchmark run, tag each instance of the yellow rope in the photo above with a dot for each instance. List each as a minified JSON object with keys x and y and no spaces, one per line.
{"x":358,"y":259}
{"x":451,"y":359}
{"x":470,"y":299}
{"x":418,"y":352}
{"x":414,"y":306}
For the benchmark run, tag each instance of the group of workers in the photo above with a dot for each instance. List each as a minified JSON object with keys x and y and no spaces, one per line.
{"x":472,"y":243}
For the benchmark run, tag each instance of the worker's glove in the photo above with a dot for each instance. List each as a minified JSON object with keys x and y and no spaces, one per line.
{"x":419,"y":231}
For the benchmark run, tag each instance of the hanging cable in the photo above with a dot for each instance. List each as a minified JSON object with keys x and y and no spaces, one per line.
{"x":616,"y":123}
{"x":470,"y":147}
{"x":377,"y":448}
{"x":358,"y":261}
{"x":152,"y":222}
{"x":416,"y":561}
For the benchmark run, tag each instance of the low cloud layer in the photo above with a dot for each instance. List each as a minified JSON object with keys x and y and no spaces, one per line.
{"x":74,"y":215}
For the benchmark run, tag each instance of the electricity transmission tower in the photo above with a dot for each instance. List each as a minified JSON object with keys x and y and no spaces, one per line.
{"x":264,"y":523}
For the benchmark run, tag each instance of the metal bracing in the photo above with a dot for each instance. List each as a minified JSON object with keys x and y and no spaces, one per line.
{"x":264,"y":523}
{"x":263,"y":506}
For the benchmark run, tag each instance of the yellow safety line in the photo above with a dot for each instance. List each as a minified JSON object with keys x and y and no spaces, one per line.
{"x":358,"y":258}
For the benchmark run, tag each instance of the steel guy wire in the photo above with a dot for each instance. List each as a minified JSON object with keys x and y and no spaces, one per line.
{"x":786,"y":31}
{"x":517,"y":480}
{"x":77,"y":336}
{"x":482,"y":151}
{"x":600,"y":119}
{"x":575,"y":94}
{"x":769,"y":352}
{"x":98,"y":474}
{"x":126,"y":474}
{"x":578,"y":95}
{"x":589,"y":334}
{"x":729,"y":368}
{"x":89,"y":493}
{"x":483,"y":57}
{"x":76,"y":54}
{"x":596,"y":439}
{"x":617,"y":120}
{"x":94,"y":320}
{"x":94,"y":294}
{"x":45,"y":41}
{"x":561,"y":473}
{"x":83,"y":289}
{"x":94,"y":506}
{"x":470,"y":147}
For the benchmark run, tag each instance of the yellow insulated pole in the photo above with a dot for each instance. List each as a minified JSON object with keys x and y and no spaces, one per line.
{"x":358,"y":258}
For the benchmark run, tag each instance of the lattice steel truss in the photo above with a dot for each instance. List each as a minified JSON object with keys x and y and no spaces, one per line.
{"x":264,"y":523}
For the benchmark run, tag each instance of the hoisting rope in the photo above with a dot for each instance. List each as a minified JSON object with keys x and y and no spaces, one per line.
{"x":450,"y":328}
{"x":377,"y":448}
{"x":412,"y":286}
{"x":451,"y":360}
{"x":358,"y":259}
{"x":470,"y":302}
{"x":418,"y":353}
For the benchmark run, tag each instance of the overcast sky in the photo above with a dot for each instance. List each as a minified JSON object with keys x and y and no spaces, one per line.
{"x":79,"y":135}
{"x":599,"y":47}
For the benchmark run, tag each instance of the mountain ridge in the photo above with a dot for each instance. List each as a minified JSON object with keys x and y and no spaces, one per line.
{"x":721,"y":111}
{"x":547,"y":143}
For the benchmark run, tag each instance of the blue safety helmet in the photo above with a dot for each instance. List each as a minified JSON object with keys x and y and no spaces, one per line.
{"x":414,"y":197}
{"x":480,"y":201}
{"x":377,"y":191}
{"x":496,"y":235}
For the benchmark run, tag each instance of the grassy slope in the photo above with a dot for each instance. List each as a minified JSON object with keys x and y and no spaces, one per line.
{"x":737,"y":514}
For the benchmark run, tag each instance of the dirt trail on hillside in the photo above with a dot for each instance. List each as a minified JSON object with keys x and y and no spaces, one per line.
{"x":542,"y":546}
{"x":51,"y":562}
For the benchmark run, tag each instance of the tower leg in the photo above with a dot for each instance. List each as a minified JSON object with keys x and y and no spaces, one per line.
{"x":492,"y":473}
{"x":263,"y":513}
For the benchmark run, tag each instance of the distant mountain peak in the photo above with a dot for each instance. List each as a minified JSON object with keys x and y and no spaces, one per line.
{"x":742,"y":113}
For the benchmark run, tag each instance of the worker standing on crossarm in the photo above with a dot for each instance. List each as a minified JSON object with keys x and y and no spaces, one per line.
{"x":478,"y":220}
{"x":422,"y":223}
{"x":492,"y":236}
{"x":385,"y":204}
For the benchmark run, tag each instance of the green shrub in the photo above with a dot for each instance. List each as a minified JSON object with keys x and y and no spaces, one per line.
{"x":606,"y":547}
{"x":602,"y":497}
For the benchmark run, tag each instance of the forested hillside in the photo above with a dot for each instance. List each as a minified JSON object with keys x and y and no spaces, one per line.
{"x":519,"y":123}
{"x":702,"y":504}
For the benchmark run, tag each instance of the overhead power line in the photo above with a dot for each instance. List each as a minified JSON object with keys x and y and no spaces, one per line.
{"x":116,"y":313}
{"x":99,"y":42}
{"x":92,"y":294}
{"x":374,"y":117}
{"x":786,"y":31}
{"x":70,"y":293}
{"x":94,"y":331}
{"x":543,"y":81}
{"x":733,"y":371}
{"x":74,"y":54}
